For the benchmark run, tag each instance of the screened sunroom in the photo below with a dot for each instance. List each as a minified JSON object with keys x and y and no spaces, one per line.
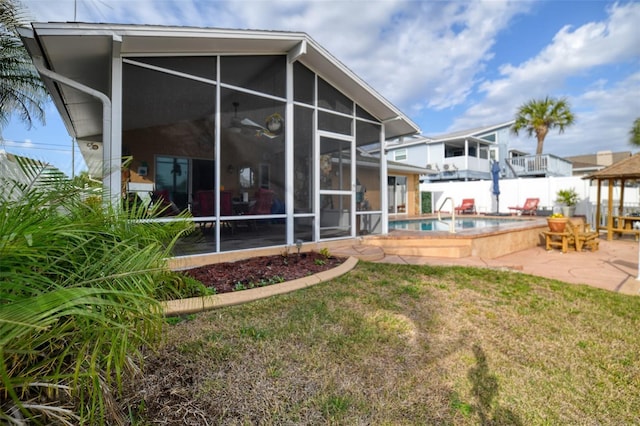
{"x":254,"y":134}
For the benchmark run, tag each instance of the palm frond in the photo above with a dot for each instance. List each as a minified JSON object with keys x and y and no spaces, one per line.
{"x":76,"y":292}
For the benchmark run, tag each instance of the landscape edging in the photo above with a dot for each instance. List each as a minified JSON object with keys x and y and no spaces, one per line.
{"x":203,"y":303}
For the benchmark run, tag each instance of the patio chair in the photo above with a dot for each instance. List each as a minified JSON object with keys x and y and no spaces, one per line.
{"x":529,"y":208}
{"x":264,"y":199}
{"x":582,"y":236}
{"x":226,"y":203}
{"x":161,"y":203}
{"x":468,"y":206}
{"x":262,"y":205}
{"x":205,"y":206}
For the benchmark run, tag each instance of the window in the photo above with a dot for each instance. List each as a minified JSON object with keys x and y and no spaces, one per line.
{"x":331,"y":98}
{"x":266,"y":74}
{"x":303,"y":160}
{"x":204,"y":66}
{"x":453,"y":151}
{"x":246,"y":177}
{"x":334,"y":123}
{"x":491,"y":137}
{"x":265,"y":171}
{"x":400,"y":155}
{"x":303,"y":84}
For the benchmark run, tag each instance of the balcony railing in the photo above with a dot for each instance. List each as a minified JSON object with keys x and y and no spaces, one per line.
{"x":539,"y":165}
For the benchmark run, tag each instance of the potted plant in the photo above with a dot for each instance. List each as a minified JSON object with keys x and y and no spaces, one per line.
{"x":557,"y":222}
{"x":568,"y":198}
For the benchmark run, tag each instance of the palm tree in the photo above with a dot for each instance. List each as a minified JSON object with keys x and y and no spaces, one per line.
{"x":21,"y":89}
{"x":635,"y":132}
{"x":540,"y":116}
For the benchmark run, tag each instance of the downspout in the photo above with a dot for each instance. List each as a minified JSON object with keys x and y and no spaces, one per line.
{"x":106,"y":103}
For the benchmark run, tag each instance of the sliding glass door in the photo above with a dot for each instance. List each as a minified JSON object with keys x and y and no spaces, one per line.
{"x":172,"y":178}
{"x":397,"y":193}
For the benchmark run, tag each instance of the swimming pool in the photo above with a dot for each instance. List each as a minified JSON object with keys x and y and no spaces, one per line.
{"x":426,"y":224}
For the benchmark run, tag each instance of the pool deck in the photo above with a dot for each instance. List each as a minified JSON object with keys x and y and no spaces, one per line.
{"x":613,"y":267}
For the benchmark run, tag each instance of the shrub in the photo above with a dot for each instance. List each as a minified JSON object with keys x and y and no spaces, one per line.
{"x":76,"y":299}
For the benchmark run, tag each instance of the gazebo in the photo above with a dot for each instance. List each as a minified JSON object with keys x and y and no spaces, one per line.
{"x":623,"y":171}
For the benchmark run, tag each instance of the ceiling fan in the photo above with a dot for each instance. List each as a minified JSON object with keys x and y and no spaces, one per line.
{"x":273,"y":126}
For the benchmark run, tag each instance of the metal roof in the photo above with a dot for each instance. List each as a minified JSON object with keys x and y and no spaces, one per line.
{"x":458,"y":136}
{"x":472,"y":132}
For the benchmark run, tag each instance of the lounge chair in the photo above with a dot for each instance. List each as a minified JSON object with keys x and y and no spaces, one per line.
{"x":468,"y":206}
{"x":581,"y":235}
{"x":529,"y":208}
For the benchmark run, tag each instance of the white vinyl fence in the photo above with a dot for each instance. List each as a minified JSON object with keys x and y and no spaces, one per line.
{"x":514,"y":192}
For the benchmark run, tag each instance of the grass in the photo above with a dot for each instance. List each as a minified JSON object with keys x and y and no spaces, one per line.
{"x":403,"y":345}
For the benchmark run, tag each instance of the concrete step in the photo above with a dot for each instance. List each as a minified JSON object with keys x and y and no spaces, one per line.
{"x":449,"y":251}
{"x":430,"y":247}
{"x":359,"y":251}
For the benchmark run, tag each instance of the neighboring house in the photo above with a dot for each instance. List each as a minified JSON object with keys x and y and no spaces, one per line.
{"x":255,"y":132}
{"x":468,"y":154}
{"x":589,"y":163}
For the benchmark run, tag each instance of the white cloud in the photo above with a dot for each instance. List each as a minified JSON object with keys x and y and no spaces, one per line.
{"x":429,"y":56}
{"x":416,"y":54}
{"x":604,"y":112}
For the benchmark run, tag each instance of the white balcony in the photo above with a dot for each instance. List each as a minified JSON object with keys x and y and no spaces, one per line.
{"x":538,"y":165}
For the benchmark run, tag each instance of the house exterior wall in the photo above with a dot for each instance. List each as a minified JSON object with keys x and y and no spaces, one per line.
{"x":415,"y":203}
{"x":418,"y":155}
{"x":473,"y":164}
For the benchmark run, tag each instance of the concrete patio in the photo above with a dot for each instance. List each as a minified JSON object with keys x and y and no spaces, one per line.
{"x":613,"y":267}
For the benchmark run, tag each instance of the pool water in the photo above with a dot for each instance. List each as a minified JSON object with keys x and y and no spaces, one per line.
{"x":443,"y":225}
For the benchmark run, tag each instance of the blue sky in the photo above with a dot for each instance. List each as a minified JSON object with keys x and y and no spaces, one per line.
{"x":449,"y":66}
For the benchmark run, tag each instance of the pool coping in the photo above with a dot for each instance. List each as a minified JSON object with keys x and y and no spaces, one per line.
{"x":518,"y":223}
{"x":488,"y":242}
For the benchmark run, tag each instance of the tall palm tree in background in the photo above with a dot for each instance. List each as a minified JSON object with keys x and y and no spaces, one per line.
{"x":21,"y":89}
{"x":635,"y":132}
{"x":539,"y":116}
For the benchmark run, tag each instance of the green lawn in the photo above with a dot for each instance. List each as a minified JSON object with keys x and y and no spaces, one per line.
{"x":403,"y":345}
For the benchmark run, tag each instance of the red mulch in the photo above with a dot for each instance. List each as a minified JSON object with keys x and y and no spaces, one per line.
{"x":264,"y":270}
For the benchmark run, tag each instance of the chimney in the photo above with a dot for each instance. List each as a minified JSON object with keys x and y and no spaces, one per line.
{"x":604,"y":158}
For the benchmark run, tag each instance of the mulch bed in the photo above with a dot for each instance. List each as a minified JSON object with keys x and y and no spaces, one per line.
{"x":261,"y":271}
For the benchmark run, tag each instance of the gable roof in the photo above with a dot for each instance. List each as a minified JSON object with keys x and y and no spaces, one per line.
{"x":468,"y":133}
{"x":460,"y":135}
{"x":627,"y":169}
{"x":83,"y":51}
